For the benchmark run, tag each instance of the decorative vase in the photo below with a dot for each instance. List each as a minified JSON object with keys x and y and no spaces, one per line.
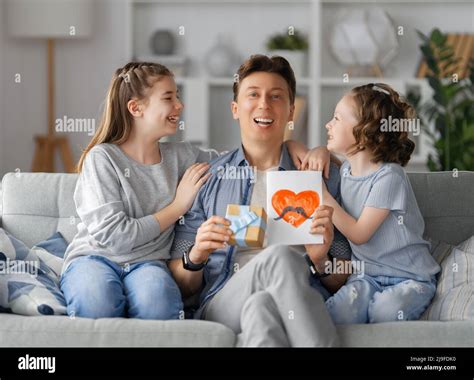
{"x":162,"y":42}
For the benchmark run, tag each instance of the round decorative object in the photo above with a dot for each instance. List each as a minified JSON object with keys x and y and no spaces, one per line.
{"x":221,"y":60}
{"x":364,"y":37}
{"x":162,"y":42}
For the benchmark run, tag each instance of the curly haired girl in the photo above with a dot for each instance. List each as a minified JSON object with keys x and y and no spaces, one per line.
{"x":379,"y":214}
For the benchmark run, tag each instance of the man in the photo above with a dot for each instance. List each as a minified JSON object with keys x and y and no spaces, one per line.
{"x":265,"y":296}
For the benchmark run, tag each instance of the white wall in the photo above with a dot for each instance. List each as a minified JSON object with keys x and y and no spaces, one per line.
{"x":83,"y":71}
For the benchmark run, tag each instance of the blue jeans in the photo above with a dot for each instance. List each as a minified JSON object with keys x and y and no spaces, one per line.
{"x":380,"y":299}
{"x":95,"y":287}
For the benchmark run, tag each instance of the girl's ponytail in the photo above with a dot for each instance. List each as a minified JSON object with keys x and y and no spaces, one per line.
{"x":130,"y":82}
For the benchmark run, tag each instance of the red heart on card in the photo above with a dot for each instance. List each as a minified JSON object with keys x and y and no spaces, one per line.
{"x":295,"y":208}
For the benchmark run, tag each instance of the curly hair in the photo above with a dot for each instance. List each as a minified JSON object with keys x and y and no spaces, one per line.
{"x":376,"y":103}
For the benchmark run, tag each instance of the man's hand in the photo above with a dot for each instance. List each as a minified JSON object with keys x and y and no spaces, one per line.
{"x":317,"y":159}
{"x":213,"y":234}
{"x":321,"y":224}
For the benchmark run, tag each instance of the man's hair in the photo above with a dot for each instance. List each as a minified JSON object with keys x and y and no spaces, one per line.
{"x":262,"y":63}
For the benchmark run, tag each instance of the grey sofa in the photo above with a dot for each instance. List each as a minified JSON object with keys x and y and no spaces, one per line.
{"x":35,"y":205}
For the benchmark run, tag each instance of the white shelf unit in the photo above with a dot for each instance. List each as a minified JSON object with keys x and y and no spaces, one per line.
{"x":207,"y":99}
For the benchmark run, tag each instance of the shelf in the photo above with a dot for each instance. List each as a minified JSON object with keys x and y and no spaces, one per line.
{"x":381,"y":2}
{"x":324,"y":2}
{"x":220,"y":82}
{"x":338,"y":82}
{"x":307,"y":82}
{"x":229,"y":82}
{"x":207,"y":97}
{"x":221,"y":2}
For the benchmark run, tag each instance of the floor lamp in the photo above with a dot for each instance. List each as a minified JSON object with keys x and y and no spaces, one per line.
{"x":50,"y":20}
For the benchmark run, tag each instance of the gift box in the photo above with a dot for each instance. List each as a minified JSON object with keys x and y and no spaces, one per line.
{"x":249,"y":224}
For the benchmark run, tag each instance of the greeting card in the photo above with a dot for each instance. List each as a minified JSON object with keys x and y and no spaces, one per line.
{"x":292,"y":198}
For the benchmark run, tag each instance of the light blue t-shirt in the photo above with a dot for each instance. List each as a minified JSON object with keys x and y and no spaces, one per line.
{"x":397,"y":248}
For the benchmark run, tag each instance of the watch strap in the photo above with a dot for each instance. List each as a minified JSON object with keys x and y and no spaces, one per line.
{"x":313,"y":270}
{"x":188,"y":264}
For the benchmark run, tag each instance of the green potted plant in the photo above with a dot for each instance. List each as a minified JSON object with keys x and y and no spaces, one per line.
{"x":447,"y":118}
{"x":293,"y":46}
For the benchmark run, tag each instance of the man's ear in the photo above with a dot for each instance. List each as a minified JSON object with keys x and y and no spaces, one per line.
{"x":234,"y":107}
{"x":292,"y":113}
{"x":135,"y":108}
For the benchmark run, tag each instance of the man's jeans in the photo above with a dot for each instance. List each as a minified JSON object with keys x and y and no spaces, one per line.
{"x":95,"y":287}
{"x":380,"y":299}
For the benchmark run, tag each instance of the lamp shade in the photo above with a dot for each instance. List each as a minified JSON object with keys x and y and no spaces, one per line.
{"x":49,"y":18}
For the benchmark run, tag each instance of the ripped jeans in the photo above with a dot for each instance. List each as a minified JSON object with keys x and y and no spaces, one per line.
{"x":380,"y":299}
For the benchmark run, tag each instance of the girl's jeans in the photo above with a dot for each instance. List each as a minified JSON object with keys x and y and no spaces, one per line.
{"x":380,"y":299}
{"x":95,"y":287}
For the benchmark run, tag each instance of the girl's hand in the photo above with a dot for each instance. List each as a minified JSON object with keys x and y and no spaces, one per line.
{"x":297,"y":152}
{"x":189,"y":185}
{"x":213,"y":234}
{"x":317,"y":159}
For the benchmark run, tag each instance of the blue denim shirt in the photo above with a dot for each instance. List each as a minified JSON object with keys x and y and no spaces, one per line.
{"x":213,"y":198}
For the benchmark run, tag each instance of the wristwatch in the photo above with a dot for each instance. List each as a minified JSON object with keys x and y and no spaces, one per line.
{"x":314,"y":272}
{"x":188,"y":264}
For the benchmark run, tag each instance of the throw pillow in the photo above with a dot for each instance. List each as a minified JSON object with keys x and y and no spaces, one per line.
{"x":29,"y":278}
{"x":454,"y":297}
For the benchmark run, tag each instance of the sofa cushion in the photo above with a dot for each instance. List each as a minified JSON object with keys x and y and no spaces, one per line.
{"x":439,"y":249}
{"x":445,"y":201}
{"x":35,"y":205}
{"x":454,"y":297}
{"x":63,"y":331}
{"x":29,"y":278}
{"x":408,"y":334}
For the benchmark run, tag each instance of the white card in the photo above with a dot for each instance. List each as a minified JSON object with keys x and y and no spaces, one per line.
{"x":291,"y":195}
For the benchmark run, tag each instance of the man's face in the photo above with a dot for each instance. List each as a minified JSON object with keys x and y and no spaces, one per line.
{"x":263,"y":107}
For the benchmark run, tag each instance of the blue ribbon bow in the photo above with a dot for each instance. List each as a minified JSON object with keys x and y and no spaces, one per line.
{"x":242,"y":222}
